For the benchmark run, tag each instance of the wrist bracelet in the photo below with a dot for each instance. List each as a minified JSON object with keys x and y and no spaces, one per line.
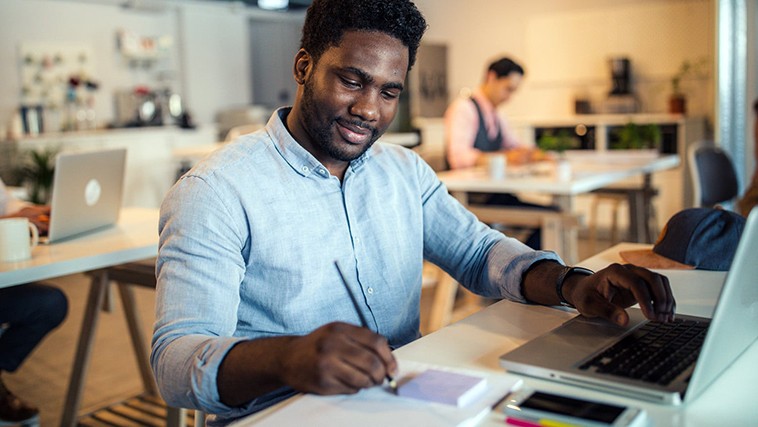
{"x":567,"y":271}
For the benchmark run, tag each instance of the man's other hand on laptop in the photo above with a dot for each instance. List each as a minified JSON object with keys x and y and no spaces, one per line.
{"x":609,"y":291}
{"x":606,"y":293}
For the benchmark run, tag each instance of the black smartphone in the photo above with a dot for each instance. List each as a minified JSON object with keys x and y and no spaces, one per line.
{"x":527,"y":408}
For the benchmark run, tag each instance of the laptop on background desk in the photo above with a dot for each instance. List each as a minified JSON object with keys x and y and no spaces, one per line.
{"x":575,"y":353}
{"x":87,"y":192}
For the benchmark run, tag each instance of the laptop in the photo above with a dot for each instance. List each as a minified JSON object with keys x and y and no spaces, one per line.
{"x":87,"y":191}
{"x":576,"y":352}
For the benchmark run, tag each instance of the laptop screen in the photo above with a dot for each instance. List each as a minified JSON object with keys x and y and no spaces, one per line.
{"x":87,"y":192}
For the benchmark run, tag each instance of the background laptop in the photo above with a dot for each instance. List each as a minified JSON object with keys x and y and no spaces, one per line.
{"x":562,"y":354}
{"x":87,"y":190}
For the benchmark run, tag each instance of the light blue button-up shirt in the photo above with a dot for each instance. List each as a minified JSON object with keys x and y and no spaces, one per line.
{"x":249,"y":240}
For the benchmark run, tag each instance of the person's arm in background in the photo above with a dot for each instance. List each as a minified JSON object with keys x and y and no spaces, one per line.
{"x":461,"y":125}
{"x":11,"y":207}
{"x":517,"y":151}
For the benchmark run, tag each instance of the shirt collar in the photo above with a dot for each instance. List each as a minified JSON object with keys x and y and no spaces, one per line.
{"x":483,"y":101}
{"x":295,"y":155}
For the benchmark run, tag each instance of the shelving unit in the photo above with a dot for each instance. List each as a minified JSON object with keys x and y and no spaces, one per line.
{"x":678,"y":131}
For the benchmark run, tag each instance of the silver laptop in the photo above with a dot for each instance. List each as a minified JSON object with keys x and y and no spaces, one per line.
{"x":87,"y":192}
{"x":577,"y":352}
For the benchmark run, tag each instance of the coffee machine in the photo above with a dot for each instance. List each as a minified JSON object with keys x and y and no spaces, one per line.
{"x":141,"y":106}
{"x":621,"y":98}
{"x":620,"y":76}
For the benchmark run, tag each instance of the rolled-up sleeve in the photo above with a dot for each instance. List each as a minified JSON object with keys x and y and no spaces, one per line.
{"x":199,"y":260}
{"x":483,"y":260}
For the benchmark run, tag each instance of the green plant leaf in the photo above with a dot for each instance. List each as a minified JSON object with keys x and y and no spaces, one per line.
{"x":37,"y":173}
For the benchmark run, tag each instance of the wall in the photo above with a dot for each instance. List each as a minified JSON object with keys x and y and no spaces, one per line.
{"x":564,"y":47}
{"x":208,"y":64}
{"x":752,"y":89}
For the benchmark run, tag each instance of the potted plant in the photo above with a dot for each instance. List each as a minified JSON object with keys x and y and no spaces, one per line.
{"x":559,"y":143}
{"x":637,"y":137}
{"x":37,"y":174}
{"x":677,"y":99}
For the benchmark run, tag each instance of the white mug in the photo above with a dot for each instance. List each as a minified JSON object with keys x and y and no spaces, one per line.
{"x":563,"y":170}
{"x":496,"y":166}
{"x":17,"y":238}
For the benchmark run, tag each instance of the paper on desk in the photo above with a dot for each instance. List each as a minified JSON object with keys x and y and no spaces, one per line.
{"x":379,"y":407}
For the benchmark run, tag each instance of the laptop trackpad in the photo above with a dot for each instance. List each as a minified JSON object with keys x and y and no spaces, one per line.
{"x":571,"y":342}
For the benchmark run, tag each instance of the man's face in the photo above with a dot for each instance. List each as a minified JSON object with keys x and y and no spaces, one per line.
{"x":502,"y":88}
{"x":350,"y":96}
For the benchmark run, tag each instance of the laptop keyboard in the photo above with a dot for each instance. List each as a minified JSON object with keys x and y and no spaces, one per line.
{"x":655,"y":352}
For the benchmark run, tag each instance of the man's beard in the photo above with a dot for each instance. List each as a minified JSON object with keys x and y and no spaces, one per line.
{"x":322,"y":133}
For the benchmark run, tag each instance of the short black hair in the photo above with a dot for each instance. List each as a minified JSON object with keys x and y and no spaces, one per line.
{"x":504,"y":66}
{"x":326,"y":21}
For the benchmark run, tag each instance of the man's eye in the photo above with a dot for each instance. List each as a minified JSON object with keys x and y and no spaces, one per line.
{"x":390,"y":95}
{"x":349,"y":83}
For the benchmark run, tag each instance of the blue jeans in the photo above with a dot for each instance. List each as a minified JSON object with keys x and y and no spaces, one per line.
{"x":27,"y":314}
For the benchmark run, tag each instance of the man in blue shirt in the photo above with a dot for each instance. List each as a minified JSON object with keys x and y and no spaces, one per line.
{"x":251,"y":307}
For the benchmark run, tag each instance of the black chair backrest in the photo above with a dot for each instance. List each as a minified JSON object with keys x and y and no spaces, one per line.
{"x":718,"y":179}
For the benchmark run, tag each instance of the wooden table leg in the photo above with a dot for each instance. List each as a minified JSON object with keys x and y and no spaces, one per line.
{"x":637,"y":218}
{"x":134,"y":324}
{"x":175,"y":416}
{"x":98,"y":288}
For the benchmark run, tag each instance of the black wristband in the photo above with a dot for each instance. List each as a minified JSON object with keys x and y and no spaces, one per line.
{"x":567,"y":271}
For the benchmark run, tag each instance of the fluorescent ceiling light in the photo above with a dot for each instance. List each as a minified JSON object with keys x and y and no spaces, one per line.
{"x":273,"y":4}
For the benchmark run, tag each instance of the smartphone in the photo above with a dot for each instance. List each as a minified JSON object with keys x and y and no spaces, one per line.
{"x":531,"y":408}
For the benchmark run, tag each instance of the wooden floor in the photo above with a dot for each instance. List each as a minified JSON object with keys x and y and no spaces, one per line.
{"x":113,"y":376}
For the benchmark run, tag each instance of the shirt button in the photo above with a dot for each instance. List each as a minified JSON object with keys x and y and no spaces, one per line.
{"x":304,"y":169}
{"x":322,"y":171}
{"x":370,"y":291}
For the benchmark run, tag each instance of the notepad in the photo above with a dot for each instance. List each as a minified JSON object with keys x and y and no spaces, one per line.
{"x":379,"y":407}
{"x":446,"y":387}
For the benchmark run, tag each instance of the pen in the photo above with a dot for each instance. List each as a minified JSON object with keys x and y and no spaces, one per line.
{"x":364,"y":322}
{"x":501,"y":400}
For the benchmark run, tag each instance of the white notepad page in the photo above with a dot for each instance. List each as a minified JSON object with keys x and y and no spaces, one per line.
{"x":378,"y":407}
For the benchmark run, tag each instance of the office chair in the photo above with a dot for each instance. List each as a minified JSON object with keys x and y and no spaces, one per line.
{"x":714,"y":179}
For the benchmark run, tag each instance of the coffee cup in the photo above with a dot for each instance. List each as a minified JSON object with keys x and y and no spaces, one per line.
{"x":496,"y":165}
{"x":17,"y":238}
{"x":563,"y":171}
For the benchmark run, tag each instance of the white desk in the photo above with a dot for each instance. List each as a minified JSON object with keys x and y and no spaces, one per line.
{"x":476,"y":342}
{"x":134,"y":238}
{"x":591,"y":171}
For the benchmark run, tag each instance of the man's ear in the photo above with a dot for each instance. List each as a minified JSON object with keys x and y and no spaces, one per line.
{"x":491,"y":76}
{"x":302,"y":66}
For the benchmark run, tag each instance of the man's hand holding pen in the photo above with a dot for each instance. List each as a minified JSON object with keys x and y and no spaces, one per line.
{"x":338,"y":358}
